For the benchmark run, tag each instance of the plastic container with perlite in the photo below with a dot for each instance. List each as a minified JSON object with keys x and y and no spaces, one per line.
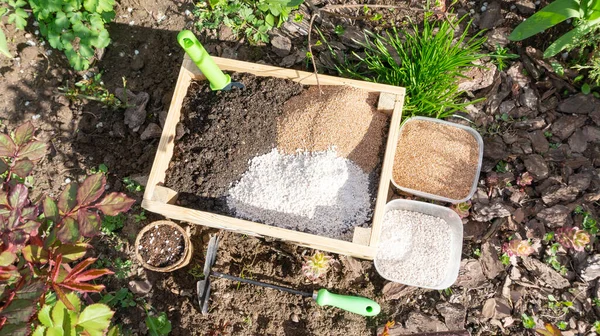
{"x":455,"y":237}
{"x":476,"y":178}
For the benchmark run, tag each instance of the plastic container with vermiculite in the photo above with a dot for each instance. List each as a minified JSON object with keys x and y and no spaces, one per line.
{"x":437,"y":159}
{"x":420,"y":244}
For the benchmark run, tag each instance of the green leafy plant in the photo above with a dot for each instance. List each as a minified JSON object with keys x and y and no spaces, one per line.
{"x":74,"y":26}
{"x":41,"y":242}
{"x":254,"y":19}
{"x":477,"y":252}
{"x":111,"y":224}
{"x":552,"y":258}
{"x":197,"y":271}
{"x":121,"y":298}
{"x":589,"y":224}
{"x":93,"y":88}
{"x":592,"y":66}
{"x":501,"y":166}
{"x":122,"y":268}
{"x":500,"y":55}
{"x":428,"y":61}
{"x":158,"y":325}
{"x":316,"y":266}
{"x":3,"y":44}
{"x":596,"y":326}
{"x":528,"y":321}
{"x":505,"y":259}
{"x":596,"y":302}
{"x":572,"y":237}
{"x":562,"y":325}
{"x":339,"y":30}
{"x":556,"y":305}
{"x":62,"y":320}
{"x":102,"y":168}
{"x":585,"y":12}
{"x":16,"y":15}
{"x":131,"y":185}
{"x":139,"y":217}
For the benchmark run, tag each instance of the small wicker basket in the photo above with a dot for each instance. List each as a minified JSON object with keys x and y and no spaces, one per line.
{"x":187,"y":250}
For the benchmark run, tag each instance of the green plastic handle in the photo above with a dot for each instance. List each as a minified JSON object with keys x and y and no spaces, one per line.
{"x":188,"y":41}
{"x":354,"y":304}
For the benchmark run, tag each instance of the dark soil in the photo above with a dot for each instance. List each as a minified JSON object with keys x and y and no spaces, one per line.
{"x":224,"y":131}
{"x":162,"y":246}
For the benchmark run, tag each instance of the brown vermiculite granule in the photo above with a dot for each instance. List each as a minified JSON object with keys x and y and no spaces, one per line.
{"x":342,"y":117}
{"x":436,"y":158}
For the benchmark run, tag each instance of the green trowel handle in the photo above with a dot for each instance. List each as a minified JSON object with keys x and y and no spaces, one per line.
{"x":354,"y":304}
{"x":188,"y":41}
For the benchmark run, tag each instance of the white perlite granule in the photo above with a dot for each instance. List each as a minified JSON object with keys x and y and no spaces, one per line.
{"x":314,"y":192}
{"x":414,"y":248}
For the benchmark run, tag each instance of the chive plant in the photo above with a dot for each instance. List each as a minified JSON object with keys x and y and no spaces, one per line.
{"x":428,"y":61}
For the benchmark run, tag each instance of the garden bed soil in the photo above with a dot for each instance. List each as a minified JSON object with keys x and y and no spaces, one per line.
{"x":222,"y":133}
{"x":162,"y":246}
{"x":224,"y":130}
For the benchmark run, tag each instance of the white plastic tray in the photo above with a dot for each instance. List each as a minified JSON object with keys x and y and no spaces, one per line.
{"x":423,"y":194}
{"x":455,"y":237}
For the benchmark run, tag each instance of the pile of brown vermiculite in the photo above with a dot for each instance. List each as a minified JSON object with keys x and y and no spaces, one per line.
{"x":224,"y":131}
{"x":436,"y":158}
{"x":341,"y":117}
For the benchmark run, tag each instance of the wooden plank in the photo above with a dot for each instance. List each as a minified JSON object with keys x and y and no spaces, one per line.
{"x":167,"y":138}
{"x":303,"y":77}
{"x":164,"y":195}
{"x":361,"y":236}
{"x":386,"y":170}
{"x":243,"y":226}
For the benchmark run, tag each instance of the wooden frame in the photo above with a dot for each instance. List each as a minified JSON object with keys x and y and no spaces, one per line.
{"x":160,"y":199}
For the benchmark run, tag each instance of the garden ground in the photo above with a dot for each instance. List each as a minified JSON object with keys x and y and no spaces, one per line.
{"x":527,"y":120}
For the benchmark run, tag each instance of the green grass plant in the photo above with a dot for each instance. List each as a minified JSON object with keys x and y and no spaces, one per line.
{"x":429,"y":61}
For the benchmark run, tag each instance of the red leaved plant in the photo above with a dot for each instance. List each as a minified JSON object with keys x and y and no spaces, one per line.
{"x":518,"y":248}
{"x":40,"y":240}
{"x":572,"y":237}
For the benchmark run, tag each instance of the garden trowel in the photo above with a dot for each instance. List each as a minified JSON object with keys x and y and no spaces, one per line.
{"x":354,"y":304}
{"x":217,"y":79}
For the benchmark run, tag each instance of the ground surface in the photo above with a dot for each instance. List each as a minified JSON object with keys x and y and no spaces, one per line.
{"x":531,"y":120}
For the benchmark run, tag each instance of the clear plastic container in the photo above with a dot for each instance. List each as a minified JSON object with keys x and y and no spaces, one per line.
{"x":456,"y":238}
{"x":423,"y":194}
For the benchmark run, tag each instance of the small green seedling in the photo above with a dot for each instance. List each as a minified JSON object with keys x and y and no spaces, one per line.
{"x":111,"y":224}
{"x":140,"y":217}
{"x":121,"y":298}
{"x":589,"y":223}
{"x":339,"y":30}
{"x":131,"y":185}
{"x":562,"y":325}
{"x":528,"y":321}
{"x":500,"y":55}
{"x":102,"y":168}
{"x":501,"y":166}
{"x":93,"y":89}
{"x":556,"y":305}
{"x":197,"y":271}
{"x":158,"y":325}
{"x":505,"y":259}
{"x":122,"y":268}
{"x":552,"y":259}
